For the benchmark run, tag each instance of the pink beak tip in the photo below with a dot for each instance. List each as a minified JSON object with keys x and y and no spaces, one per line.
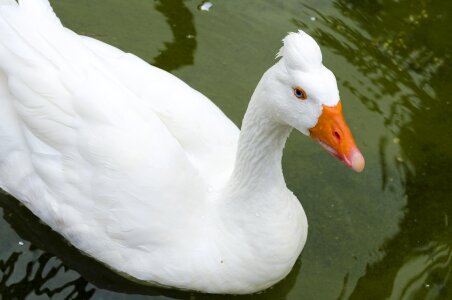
{"x":358,"y":162}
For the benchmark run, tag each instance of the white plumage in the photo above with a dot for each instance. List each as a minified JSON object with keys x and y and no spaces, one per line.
{"x":142,"y":172}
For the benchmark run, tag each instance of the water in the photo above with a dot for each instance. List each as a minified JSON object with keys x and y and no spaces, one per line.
{"x":383,"y":234}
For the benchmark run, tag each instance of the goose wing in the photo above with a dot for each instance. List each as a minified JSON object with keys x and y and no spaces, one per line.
{"x":102,"y":168}
{"x":206,"y":134}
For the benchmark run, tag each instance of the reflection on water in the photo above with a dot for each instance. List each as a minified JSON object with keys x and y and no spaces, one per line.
{"x":180,"y":51}
{"x":40,"y":272}
{"x":411,"y":90}
{"x":36,"y":279}
{"x":414,"y":278}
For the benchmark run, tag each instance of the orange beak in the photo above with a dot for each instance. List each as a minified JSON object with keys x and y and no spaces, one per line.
{"x":333,"y":134}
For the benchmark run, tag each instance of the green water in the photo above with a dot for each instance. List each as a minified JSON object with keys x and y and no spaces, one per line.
{"x":382,"y":234}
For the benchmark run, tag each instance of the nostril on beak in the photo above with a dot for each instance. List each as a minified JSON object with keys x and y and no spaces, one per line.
{"x":337,"y":136}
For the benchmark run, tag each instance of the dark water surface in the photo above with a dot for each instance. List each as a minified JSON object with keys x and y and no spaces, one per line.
{"x":382,"y":234}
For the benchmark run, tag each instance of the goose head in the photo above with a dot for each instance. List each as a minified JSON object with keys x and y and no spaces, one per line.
{"x":302,"y":93}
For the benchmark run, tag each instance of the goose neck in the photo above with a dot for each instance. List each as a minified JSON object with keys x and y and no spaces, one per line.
{"x":260,"y":149}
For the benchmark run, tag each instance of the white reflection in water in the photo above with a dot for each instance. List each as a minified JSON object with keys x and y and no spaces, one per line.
{"x":415,"y":274}
{"x":205,"y":6}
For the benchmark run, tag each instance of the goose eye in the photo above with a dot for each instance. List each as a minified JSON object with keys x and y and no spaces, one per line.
{"x":300,"y":93}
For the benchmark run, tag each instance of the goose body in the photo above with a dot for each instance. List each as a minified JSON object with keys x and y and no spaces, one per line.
{"x":143,"y":173}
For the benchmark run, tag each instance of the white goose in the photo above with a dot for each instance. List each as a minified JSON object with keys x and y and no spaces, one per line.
{"x":145,"y":174}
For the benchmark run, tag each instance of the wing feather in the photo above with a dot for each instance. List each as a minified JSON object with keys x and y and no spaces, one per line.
{"x":89,"y":147}
{"x":201,"y":128}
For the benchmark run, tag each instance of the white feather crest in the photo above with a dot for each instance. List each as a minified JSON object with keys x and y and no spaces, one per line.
{"x":300,"y":52}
